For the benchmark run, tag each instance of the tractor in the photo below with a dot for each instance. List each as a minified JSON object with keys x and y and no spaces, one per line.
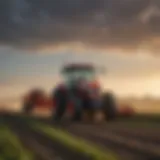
{"x":79,"y":94}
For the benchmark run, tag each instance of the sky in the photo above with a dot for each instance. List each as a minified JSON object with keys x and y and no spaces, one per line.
{"x":38,"y":37}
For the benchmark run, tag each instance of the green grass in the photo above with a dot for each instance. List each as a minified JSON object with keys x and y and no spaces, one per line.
{"x":11,"y":148}
{"x":74,"y":143}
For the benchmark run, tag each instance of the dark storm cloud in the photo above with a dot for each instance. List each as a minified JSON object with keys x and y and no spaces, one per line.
{"x":99,"y":23}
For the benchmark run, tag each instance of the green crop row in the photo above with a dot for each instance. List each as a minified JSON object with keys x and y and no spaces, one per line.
{"x":79,"y":145}
{"x":11,"y":148}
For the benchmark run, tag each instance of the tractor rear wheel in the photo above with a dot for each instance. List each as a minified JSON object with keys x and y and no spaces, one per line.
{"x":109,"y":106}
{"x":61,"y":100}
{"x":77,"y":110}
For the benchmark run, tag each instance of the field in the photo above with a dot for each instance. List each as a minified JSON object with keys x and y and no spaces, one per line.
{"x":134,"y":138}
{"x":143,"y":105}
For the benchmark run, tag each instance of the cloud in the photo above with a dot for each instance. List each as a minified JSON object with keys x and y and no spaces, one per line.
{"x":104,"y":24}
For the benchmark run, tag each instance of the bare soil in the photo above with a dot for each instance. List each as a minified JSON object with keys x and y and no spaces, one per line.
{"x":130,"y":143}
{"x":43,"y":147}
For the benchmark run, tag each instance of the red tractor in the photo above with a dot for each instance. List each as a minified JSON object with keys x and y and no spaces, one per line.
{"x":81,"y":91}
{"x":78,"y":94}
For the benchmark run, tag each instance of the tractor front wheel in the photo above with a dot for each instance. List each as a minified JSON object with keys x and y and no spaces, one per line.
{"x":61,"y":100}
{"x":109,"y":106}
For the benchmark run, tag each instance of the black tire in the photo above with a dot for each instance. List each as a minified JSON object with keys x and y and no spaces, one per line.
{"x":109,"y":106}
{"x":77,"y":110}
{"x":77,"y":114}
{"x":61,"y":99}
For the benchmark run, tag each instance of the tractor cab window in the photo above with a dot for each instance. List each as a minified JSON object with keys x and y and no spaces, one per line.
{"x":84,"y":74}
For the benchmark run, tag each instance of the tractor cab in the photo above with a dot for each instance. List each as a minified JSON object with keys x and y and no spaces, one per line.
{"x":79,"y":94}
{"x":78,"y":74}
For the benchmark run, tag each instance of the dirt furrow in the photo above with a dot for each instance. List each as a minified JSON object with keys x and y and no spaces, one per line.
{"x":43,"y":147}
{"x":127,"y":147}
{"x":130,"y":144}
{"x":146,"y":136}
